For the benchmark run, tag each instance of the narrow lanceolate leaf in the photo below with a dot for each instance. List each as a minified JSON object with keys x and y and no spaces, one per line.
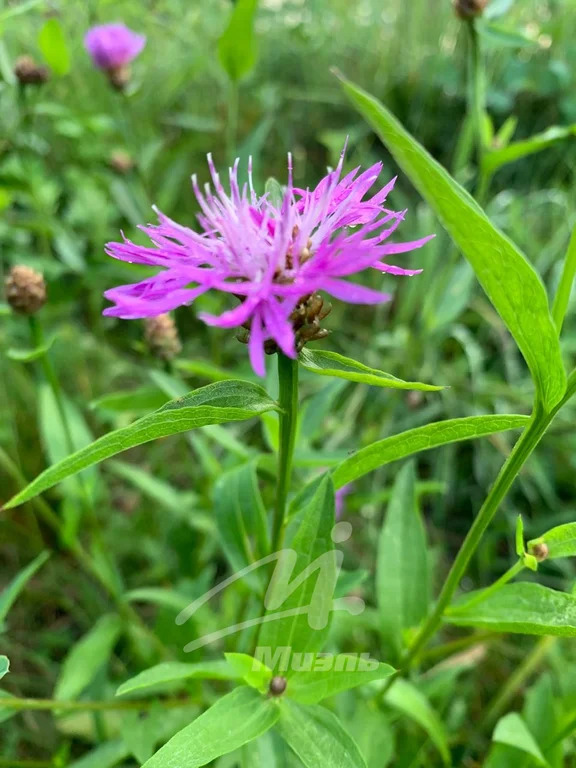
{"x":558,"y":542}
{"x":171,"y":672}
{"x":333,"y":364}
{"x":240,"y":514}
{"x":54,"y":48}
{"x":402,"y":588}
{"x":496,"y":158}
{"x":4,"y":666}
{"x":524,"y":608}
{"x":509,"y":280}
{"x":86,"y":658}
{"x":254,"y":672}
{"x":422,"y":439}
{"x":235,"y":719}
{"x":317,"y":737}
{"x":345,"y":672}
{"x":300,"y":598}
{"x":237,"y":46}
{"x":217,"y":403}
{"x":405,"y":698}
{"x":13,"y":589}
{"x":513,"y":731}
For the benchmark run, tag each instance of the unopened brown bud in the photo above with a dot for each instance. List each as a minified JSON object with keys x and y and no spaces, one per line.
{"x":28,"y":72}
{"x":119,"y":77}
{"x":540,"y":551}
{"x":25,"y":290}
{"x":277,"y":686}
{"x":162,"y":336}
{"x":469,"y":9}
{"x":121,"y":161}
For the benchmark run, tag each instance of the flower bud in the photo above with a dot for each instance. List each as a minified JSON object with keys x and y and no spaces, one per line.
{"x":539,"y":550}
{"x":277,"y":686}
{"x":120,"y":161}
{"x":25,"y":290}
{"x":469,"y":9}
{"x":162,"y":336}
{"x":119,"y":77}
{"x":28,"y":72}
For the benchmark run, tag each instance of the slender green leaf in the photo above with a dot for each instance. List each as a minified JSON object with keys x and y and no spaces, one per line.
{"x":525,"y":608}
{"x":21,"y":8}
{"x":513,"y":731}
{"x":305,"y":577}
{"x":143,"y":399}
{"x":29,"y":355}
{"x":14,"y":587}
{"x":422,"y":439}
{"x":333,"y":364}
{"x":203,"y":369}
{"x":235,"y":719}
{"x":214,"y":404}
{"x":178,"y":503}
{"x":497,"y":158}
{"x":138,"y":736}
{"x":4,"y":666}
{"x":237,"y":46}
{"x":169,"y":598}
{"x":501,"y":37}
{"x":54,"y":47}
{"x":317,"y":737}
{"x":240,"y":514}
{"x":249,"y":669}
{"x":161,"y":724}
{"x":343,"y":672}
{"x":507,"y":277}
{"x":87,"y":657}
{"x":402,"y":588}
{"x":564,"y":291}
{"x":176,"y":671}
{"x":407,"y":699}
{"x":559,"y":542}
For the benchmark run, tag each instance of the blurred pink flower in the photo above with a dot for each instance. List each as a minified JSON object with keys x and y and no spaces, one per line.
{"x":112,"y":46}
{"x":340,"y":497}
{"x":272,"y":255}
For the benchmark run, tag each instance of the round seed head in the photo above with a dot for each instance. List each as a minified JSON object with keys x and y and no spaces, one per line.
{"x":28,"y":72}
{"x":469,"y":9}
{"x":162,"y":336}
{"x":277,"y":686}
{"x":25,"y":290}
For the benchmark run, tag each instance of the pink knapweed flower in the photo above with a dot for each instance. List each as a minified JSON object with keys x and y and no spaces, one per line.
{"x":273,"y":256}
{"x":112,"y":46}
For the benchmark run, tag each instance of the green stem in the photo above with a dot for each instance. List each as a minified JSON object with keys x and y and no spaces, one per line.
{"x":52,"y":379}
{"x":517,"y":679}
{"x":19,"y":705}
{"x":485,"y":593}
{"x":520,"y":453}
{"x":9,"y":763}
{"x":232,"y":121}
{"x":477,"y":105}
{"x":565,"y":286}
{"x":288,"y":400}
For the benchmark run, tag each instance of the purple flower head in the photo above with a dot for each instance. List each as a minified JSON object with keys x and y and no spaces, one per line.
{"x":274,"y":257}
{"x":112,"y":46}
{"x":340,"y":498}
